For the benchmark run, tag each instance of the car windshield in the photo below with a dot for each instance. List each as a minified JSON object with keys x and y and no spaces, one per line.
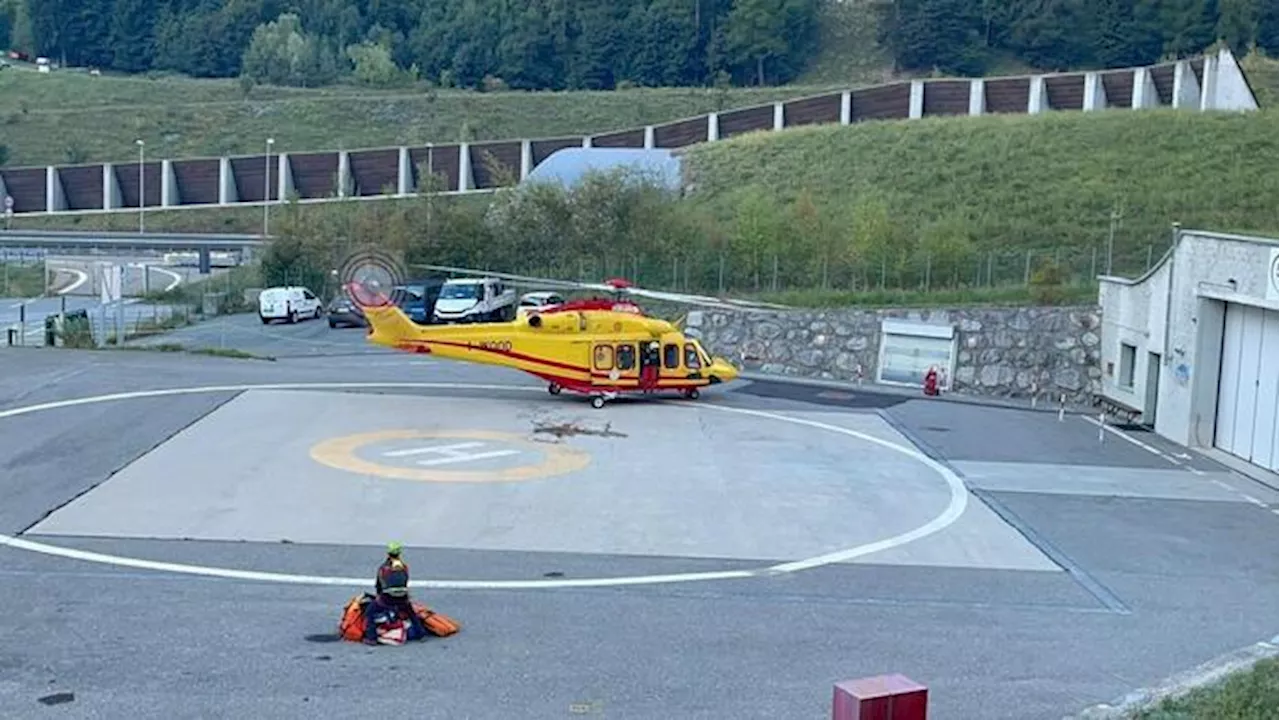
{"x":467,"y":291}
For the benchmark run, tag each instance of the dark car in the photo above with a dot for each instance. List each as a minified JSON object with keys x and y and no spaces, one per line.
{"x":418,"y":298}
{"x":343,"y":312}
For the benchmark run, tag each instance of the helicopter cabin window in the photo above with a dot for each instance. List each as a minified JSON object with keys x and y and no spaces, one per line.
{"x":604,"y":357}
{"x":626,"y":357}
{"x":691,"y":359}
{"x":671,"y":356}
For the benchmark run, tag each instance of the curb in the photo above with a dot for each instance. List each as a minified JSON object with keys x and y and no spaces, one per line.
{"x":1047,"y":406}
{"x":1182,"y":683}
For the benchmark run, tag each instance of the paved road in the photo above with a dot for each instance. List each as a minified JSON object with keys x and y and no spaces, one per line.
{"x":1164,"y":568}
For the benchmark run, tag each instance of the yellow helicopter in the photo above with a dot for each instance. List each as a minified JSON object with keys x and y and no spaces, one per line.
{"x":598,"y":347}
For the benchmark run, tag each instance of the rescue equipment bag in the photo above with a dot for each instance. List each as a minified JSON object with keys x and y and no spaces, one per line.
{"x":352,"y":625}
{"x":436,"y":623}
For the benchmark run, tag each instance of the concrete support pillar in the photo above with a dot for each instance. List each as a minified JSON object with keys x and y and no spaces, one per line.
{"x":526,"y":157}
{"x":169,"y":195}
{"x":284,"y":175}
{"x":4,"y":192}
{"x":1144,"y":89}
{"x":846,"y":107}
{"x":1186,"y":89}
{"x":648,"y":137}
{"x":55,"y":198}
{"x":110,"y":187}
{"x":917,"y":99}
{"x":1209,"y":83}
{"x":779,"y":116}
{"x":465,"y":179}
{"x":977,"y":96}
{"x":586,"y":141}
{"x":1095,"y":94}
{"x":404,"y":173}
{"x":713,"y":127}
{"x":1038,"y":97}
{"x":343,"y":184}
{"x":1224,"y":86}
{"x":227,"y":192}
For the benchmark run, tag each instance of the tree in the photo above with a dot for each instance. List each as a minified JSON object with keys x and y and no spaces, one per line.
{"x":133,"y":40}
{"x":755,"y":32}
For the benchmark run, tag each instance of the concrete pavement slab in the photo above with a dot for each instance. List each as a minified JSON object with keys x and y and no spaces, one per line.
{"x":1172,"y":483}
{"x":655,"y":479}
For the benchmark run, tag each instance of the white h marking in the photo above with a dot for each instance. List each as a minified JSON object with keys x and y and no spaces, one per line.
{"x":452,"y":453}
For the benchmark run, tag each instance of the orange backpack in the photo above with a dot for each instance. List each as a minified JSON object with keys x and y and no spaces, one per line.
{"x":352,"y":625}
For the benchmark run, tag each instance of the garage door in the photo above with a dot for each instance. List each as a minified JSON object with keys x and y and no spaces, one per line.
{"x":1248,"y":395}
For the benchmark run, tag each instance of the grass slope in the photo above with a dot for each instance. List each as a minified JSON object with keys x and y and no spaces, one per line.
{"x":65,"y":117}
{"x":1246,"y":695}
{"x":1017,"y":181}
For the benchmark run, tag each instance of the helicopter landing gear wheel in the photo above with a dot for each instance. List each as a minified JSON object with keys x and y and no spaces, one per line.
{"x":597,"y":402}
{"x":554,"y":389}
{"x":691,"y":394}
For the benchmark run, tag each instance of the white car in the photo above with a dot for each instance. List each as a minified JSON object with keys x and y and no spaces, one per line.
{"x":537,"y":300}
{"x":290,"y":303}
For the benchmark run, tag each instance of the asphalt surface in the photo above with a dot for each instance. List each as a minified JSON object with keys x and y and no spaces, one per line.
{"x":1156,"y":573}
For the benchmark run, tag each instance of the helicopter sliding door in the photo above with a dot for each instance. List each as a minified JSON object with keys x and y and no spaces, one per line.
{"x":615,"y":365}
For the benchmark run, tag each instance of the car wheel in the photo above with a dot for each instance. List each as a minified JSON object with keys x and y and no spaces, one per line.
{"x":293,"y":316}
{"x":263,"y":319}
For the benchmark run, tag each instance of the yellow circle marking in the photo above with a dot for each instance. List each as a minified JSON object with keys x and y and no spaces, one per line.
{"x":339,"y":453}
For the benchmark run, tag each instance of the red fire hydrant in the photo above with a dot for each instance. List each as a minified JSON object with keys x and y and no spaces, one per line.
{"x":931,"y":382}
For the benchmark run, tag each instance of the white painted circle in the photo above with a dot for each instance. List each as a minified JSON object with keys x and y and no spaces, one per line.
{"x":956,"y":506}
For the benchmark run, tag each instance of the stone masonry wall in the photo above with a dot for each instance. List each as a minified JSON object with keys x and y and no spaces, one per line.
{"x":1002,"y":352}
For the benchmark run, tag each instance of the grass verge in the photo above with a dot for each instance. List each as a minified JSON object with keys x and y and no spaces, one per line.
{"x":1246,"y":695}
{"x":21,"y":281}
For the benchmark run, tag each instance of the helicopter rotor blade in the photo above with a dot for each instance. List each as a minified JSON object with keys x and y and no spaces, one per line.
{"x":680,"y":298}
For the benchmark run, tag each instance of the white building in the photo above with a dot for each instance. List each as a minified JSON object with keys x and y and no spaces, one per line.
{"x":1193,"y":346}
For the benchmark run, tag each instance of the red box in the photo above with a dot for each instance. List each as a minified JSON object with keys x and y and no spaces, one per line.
{"x":884,"y":697}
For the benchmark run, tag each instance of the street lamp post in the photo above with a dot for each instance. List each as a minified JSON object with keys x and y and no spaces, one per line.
{"x":266,"y":189}
{"x":142,"y":196}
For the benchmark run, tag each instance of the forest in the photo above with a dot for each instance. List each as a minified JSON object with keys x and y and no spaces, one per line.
{"x":606,"y":44}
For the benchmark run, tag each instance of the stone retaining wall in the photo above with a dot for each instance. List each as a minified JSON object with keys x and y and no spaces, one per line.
{"x":1001,"y":352}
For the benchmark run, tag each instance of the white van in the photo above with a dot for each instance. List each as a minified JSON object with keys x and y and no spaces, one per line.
{"x":289,"y":303}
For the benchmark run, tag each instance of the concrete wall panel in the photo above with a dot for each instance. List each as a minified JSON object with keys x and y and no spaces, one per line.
{"x":1008,"y":95}
{"x":946,"y":97}
{"x":811,"y":111}
{"x":680,"y":133}
{"x":495,"y":163}
{"x":82,"y":186}
{"x":887,"y":102}
{"x":375,"y":171}
{"x":315,"y":175}
{"x":127,"y":176}
{"x":737,"y":122}
{"x":197,"y":180}
{"x":443,"y":163}
{"x":1066,"y":92}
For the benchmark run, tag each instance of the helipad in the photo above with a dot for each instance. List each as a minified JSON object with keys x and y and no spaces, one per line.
{"x":448,"y":455}
{"x":541,"y":474}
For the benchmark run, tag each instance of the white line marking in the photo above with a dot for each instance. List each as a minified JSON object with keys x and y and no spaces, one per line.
{"x":1135,"y":441}
{"x":432,"y":449}
{"x":955,"y":508}
{"x":177,"y":279}
{"x":82,"y":277}
{"x":469,"y":458}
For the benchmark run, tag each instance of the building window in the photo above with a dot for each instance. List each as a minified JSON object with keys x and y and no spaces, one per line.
{"x":1128,"y":357}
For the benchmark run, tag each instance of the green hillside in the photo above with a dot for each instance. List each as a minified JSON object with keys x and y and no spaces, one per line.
{"x":74,"y":117}
{"x":959,"y":188}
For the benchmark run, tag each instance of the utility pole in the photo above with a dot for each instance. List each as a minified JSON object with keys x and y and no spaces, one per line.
{"x":142,"y":195}
{"x":266,"y":189}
